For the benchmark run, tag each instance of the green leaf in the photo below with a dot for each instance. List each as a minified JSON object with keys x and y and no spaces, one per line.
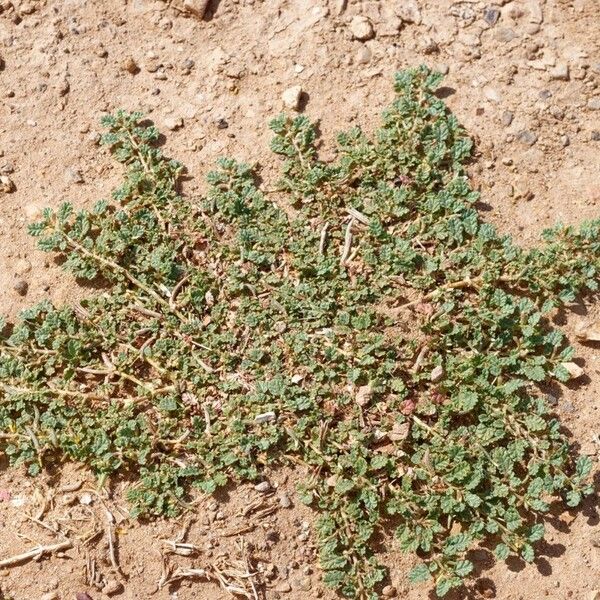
{"x":536,"y":532}
{"x":502,"y":551}
{"x":463,"y":567}
{"x":419,"y":574}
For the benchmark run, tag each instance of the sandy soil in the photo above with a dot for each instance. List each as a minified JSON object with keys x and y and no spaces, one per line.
{"x":522,"y":77}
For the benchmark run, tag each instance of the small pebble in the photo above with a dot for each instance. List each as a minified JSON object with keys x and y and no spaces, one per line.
{"x":491,"y":16}
{"x":364,"y":395}
{"x":82,"y":596}
{"x":363,"y":56}
{"x":527,"y":137}
{"x":389,"y":591}
{"x":21,"y":287}
{"x":173,"y":123}
{"x":187,"y":65}
{"x":291,"y":97}
{"x":565,"y":140}
{"x":492,"y":94}
{"x":22,"y":266}
{"x":560,"y":72}
{"x":303,"y":584}
{"x":222,"y":124}
{"x":265,"y":417}
{"x":74,"y":176}
{"x":196,"y":7}
{"x":507,"y":118}
{"x":6,"y":184}
{"x":361,"y":28}
{"x":86,"y":499}
{"x":263,"y":487}
{"x":284,"y":501}
{"x":437,"y":374}
{"x":283,"y":588}
{"x":130,"y":65}
{"x":595,"y":136}
{"x":409,"y":11}
{"x":594,"y":103}
{"x":112,"y":587}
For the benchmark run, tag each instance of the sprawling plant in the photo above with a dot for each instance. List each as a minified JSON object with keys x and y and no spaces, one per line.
{"x":362,"y":320}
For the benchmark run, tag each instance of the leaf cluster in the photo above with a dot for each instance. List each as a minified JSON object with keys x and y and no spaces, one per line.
{"x":363,"y":320}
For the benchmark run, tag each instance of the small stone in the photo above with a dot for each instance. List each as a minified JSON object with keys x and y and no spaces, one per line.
{"x":363,"y":56}
{"x":130,"y":65}
{"x":593,"y":595}
{"x":565,"y":140}
{"x":545,"y":94}
{"x":594,"y":103}
{"x":21,"y":287}
{"x":507,"y":118}
{"x":492,"y":94}
{"x":94,"y":138}
{"x":389,"y":591}
{"x":283,"y":588}
{"x":291,"y":97}
{"x":50,"y":596}
{"x":265,"y":417}
{"x":173,"y":123}
{"x":505,"y":35}
{"x":6,"y":184}
{"x":409,"y":11}
{"x":595,"y":136}
{"x":82,"y":596}
{"x":151,"y":65}
{"x":187,"y":65}
{"x":527,"y":137}
{"x":263,"y":487}
{"x":284,"y":501}
{"x":112,"y":587}
{"x":437,"y":374}
{"x":196,"y":7}
{"x":74,"y":176}
{"x":303,"y":584}
{"x":7,"y":169}
{"x":567,"y":407}
{"x":491,"y":15}
{"x":86,"y":499}
{"x":574,"y":370}
{"x":560,"y":72}
{"x":536,"y":14}
{"x":364,"y":395}
{"x":361,"y":28}
{"x":222,"y":124}
{"x":399,"y":432}
{"x":22,"y":267}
